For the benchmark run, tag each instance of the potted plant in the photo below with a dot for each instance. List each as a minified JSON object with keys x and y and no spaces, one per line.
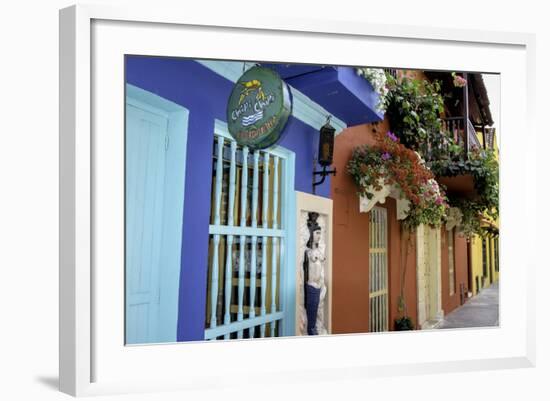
{"x":403,"y":323}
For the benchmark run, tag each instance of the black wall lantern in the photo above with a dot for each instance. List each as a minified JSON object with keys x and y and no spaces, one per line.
{"x":326,"y":151}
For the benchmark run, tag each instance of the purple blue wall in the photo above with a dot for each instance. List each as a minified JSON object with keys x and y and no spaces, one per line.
{"x":346,"y":95}
{"x":205,"y":93}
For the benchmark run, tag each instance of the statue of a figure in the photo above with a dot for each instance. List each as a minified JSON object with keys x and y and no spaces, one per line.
{"x":314,"y":278}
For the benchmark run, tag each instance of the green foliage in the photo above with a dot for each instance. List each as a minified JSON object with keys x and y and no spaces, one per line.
{"x":483,"y":166}
{"x":413,"y":107}
{"x":390,"y":163}
{"x":430,"y":214}
{"x":367,"y":170}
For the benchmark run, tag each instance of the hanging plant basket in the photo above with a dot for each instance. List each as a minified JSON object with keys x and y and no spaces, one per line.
{"x":388,"y":168}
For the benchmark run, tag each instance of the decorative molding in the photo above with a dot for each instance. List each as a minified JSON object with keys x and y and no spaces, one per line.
{"x":142,"y":98}
{"x":304,"y":109}
{"x":402,"y":208}
{"x":454,"y":218}
{"x":366,"y":204}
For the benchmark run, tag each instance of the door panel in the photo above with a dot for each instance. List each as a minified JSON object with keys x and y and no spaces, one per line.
{"x":146,"y":135}
{"x":378,"y":270}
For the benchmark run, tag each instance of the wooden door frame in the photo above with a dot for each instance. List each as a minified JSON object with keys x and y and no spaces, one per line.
{"x":435,"y":254}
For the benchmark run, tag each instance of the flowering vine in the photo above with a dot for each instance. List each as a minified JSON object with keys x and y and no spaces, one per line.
{"x":413,"y":109}
{"x":482,"y":165}
{"x":458,"y":81}
{"x":388,"y":162}
{"x":377,"y":78}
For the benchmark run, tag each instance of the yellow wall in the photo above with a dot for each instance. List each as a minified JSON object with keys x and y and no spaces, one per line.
{"x":480,"y":280}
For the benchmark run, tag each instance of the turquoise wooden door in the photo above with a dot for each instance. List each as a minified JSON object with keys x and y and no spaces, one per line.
{"x":146,"y":139}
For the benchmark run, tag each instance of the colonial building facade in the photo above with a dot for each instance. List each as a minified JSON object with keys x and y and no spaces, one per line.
{"x":225,"y":240}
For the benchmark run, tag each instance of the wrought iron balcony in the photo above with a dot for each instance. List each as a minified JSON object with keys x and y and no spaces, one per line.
{"x":468,"y":138}
{"x":391,"y":71}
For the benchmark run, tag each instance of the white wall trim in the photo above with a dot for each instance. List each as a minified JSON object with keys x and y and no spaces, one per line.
{"x":427,"y":319}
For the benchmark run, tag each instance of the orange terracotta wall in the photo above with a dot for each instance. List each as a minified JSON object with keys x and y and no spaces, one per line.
{"x":402,"y":267}
{"x":461,"y":261}
{"x":350,"y":257}
{"x":351,"y":241}
{"x":351,"y":245}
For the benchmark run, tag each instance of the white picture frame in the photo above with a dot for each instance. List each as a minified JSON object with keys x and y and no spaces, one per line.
{"x":93,"y":359}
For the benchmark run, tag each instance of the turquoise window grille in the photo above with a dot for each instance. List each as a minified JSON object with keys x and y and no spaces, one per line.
{"x":251,"y":245}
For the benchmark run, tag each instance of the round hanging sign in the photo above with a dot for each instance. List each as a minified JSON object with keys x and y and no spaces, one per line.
{"x":258,"y":108}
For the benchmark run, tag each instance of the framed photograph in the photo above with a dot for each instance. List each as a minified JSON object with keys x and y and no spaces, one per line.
{"x":261,"y":207}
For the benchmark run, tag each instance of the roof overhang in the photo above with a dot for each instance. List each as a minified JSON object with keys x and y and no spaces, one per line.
{"x":339,"y":90}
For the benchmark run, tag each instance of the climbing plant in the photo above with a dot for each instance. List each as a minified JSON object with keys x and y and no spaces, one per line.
{"x":389,"y":162}
{"x":483,"y":166}
{"x":413,"y":107}
{"x":377,"y":78}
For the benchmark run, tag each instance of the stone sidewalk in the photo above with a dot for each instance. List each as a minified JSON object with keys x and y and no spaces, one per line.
{"x":479,"y":311}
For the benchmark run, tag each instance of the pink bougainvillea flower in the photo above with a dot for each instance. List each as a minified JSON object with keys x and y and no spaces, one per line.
{"x":392,"y":136}
{"x":386,"y":156}
{"x":459,"y":82}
